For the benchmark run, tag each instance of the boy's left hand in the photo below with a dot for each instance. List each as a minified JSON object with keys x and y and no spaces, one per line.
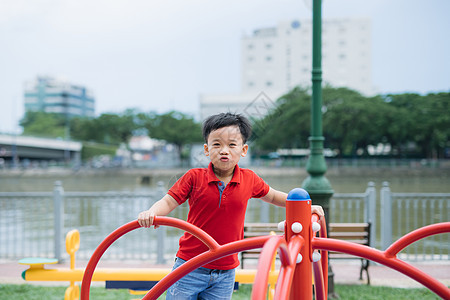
{"x":317,"y":209}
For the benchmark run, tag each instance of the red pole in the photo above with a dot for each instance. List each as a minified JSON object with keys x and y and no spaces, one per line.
{"x":298,"y":222}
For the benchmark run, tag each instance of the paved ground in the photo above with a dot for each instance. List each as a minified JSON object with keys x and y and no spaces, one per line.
{"x":345,"y":272}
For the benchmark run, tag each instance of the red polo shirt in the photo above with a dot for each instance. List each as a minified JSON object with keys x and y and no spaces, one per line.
{"x":221,"y":217}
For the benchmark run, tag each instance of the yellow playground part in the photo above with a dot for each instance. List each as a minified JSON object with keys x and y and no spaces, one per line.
{"x":38,"y":272}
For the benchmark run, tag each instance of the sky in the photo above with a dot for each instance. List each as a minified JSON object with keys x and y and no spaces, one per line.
{"x":161,"y":55}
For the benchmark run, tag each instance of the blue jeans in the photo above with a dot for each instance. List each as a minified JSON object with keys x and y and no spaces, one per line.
{"x":202,"y":283}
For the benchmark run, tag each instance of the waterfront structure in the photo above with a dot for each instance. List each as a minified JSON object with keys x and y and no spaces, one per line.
{"x":29,"y":151}
{"x":57,"y":96}
{"x":274,"y":60}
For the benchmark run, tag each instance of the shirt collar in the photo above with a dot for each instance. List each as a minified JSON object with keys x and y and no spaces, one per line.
{"x":212,"y":177}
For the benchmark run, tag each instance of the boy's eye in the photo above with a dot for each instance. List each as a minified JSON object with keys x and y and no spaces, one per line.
{"x":232,"y":145}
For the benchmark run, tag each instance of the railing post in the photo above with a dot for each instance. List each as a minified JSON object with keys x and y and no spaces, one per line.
{"x":58,"y":206}
{"x":264,"y":216}
{"x":386,"y":216}
{"x":161,"y":232}
{"x":370,"y":214}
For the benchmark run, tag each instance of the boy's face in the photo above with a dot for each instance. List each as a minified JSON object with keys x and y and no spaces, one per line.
{"x":225,"y":147}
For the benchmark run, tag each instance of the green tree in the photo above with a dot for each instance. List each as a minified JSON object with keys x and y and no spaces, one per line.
{"x":286,"y":126}
{"x":410,"y":123}
{"x":439,"y":107}
{"x":419,"y":124}
{"x":44,"y":124}
{"x":431,"y":123}
{"x":400,"y":118}
{"x":351,"y":121}
{"x":108,"y":128}
{"x":174,"y":127}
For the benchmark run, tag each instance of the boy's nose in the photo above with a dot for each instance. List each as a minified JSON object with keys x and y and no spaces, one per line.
{"x":224,"y":150}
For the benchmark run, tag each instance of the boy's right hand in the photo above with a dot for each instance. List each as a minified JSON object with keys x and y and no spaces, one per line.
{"x":145,"y":219}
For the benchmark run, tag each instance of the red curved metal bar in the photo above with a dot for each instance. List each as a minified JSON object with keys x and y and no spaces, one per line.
{"x":269,"y":250}
{"x":319,"y":285}
{"x":380,"y":257}
{"x":324,"y":254}
{"x":286,"y":276}
{"x":315,"y":218}
{"x":89,"y":271}
{"x":416,"y":235}
{"x":192,"y":229}
{"x":202,"y":259}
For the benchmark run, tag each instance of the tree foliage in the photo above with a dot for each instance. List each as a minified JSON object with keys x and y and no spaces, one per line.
{"x":108,"y":128}
{"x":286,"y":126}
{"x":410,"y":123}
{"x":44,"y":124}
{"x":173,"y":127}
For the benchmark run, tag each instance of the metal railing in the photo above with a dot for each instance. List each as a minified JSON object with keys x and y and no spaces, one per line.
{"x":34,"y":224}
{"x":356,"y":208}
{"x":401,"y":213}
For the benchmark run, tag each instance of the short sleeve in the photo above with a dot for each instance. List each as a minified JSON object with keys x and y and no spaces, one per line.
{"x":181,"y":189}
{"x":260,"y":187}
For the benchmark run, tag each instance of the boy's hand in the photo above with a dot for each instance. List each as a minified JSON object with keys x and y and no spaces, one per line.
{"x":317,"y":209}
{"x":145,"y":218}
{"x":161,"y":208}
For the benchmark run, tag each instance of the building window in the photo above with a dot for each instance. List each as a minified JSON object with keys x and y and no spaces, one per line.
{"x":269,"y":83}
{"x":250,"y":46}
{"x":250,"y":58}
{"x":268,"y":46}
{"x":250,"y":83}
{"x":268,"y":58}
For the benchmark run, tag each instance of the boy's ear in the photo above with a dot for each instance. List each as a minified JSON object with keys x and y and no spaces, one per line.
{"x":205,"y":149}
{"x":244,"y":150}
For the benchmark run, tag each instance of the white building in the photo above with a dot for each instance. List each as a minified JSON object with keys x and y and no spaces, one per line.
{"x":52,"y":95}
{"x":275,"y":60}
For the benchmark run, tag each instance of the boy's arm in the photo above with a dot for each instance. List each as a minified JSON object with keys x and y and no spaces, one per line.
{"x":161,"y":208}
{"x":279,"y":199}
{"x":275,"y":197}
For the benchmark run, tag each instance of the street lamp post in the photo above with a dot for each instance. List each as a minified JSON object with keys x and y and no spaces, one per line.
{"x":316,"y":183}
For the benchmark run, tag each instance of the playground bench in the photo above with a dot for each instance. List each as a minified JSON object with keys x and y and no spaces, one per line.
{"x":358,"y":233}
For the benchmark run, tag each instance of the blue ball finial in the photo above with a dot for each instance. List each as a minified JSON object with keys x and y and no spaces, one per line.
{"x":298,"y":194}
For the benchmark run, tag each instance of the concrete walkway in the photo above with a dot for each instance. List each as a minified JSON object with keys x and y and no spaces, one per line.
{"x":345,"y":272}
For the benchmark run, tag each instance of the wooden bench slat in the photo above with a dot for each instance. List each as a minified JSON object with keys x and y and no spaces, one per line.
{"x":343,"y":235}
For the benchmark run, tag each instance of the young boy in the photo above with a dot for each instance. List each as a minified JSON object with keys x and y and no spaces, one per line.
{"x":218,"y":197}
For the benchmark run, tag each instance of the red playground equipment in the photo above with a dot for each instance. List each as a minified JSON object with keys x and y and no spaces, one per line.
{"x":300,"y":253}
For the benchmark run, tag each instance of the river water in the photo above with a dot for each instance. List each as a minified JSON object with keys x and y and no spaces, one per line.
{"x":342,"y":180}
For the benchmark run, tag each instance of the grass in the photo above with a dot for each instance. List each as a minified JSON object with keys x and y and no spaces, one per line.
{"x":347,"y":292}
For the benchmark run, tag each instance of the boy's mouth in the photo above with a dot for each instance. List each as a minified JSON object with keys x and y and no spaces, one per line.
{"x":224,"y":158}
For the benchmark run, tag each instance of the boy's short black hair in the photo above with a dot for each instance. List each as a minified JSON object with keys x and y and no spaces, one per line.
{"x":218,"y":121}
